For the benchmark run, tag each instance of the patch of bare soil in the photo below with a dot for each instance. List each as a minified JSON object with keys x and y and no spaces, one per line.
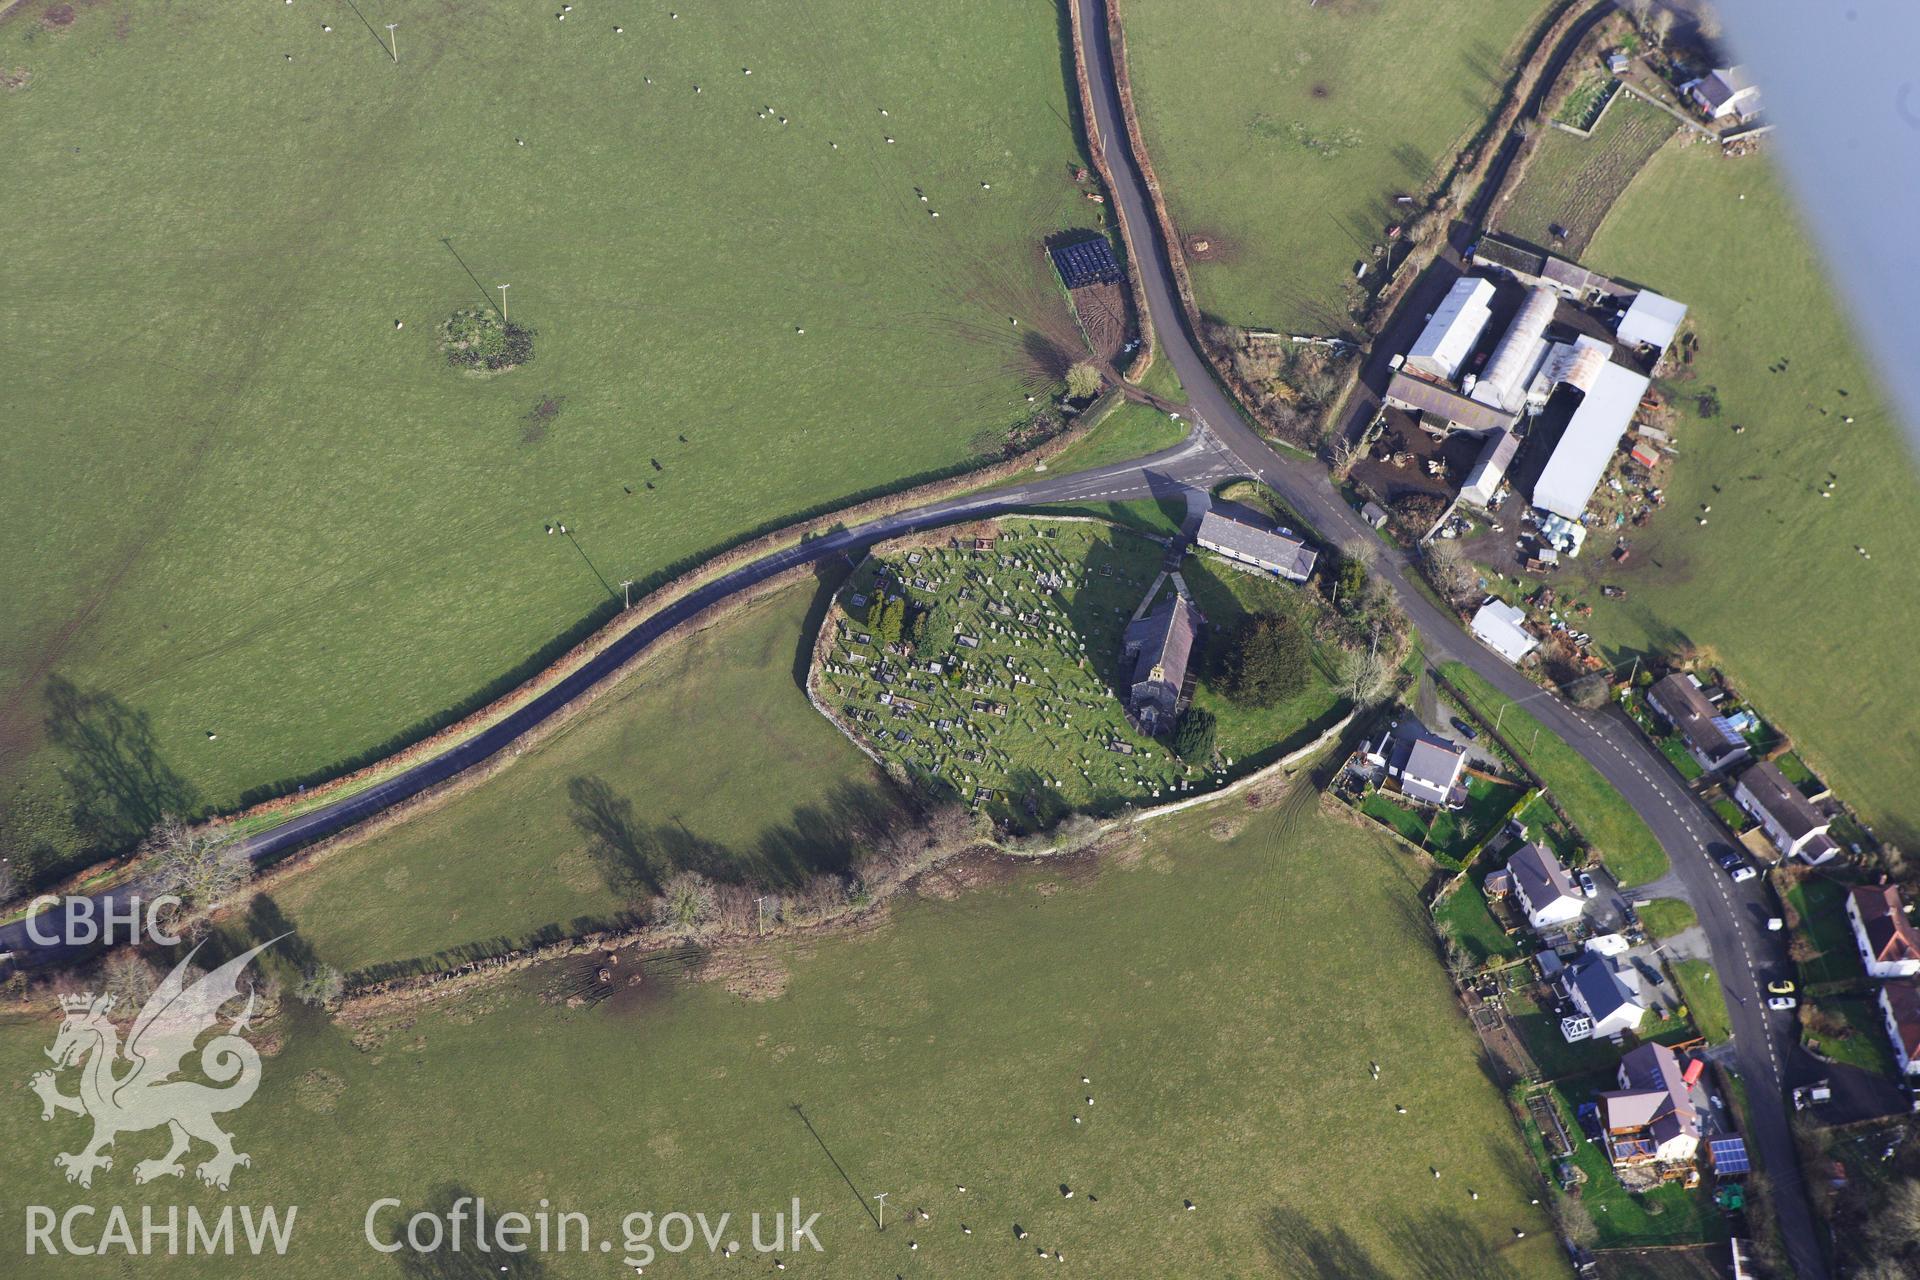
{"x":18,"y":78}
{"x":1228,"y":828}
{"x":962,"y":875}
{"x":752,"y":973}
{"x":1103,"y":314}
{"x":1205,"y":246}
{"x":58,"y":16}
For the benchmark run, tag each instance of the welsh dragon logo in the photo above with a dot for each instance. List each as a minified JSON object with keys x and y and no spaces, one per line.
{"x":126,"y":1089}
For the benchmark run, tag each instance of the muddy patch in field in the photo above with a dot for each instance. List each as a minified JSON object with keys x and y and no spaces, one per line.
{"x":760,"y":973}
{"x":1201,"y":246}
{"x":319,"y":1091}
{"x":1320,"y":90}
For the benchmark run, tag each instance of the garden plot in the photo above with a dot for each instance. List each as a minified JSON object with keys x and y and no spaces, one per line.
{"x":999,"y":687}
{"x":1571,"y":182}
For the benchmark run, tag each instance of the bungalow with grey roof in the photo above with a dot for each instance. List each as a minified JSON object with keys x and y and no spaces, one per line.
{"x":1275,"y":552}
{"x":1711,"y":741}
{"x":1796,"y":827}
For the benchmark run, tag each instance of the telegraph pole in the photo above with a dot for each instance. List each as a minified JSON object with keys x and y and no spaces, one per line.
{"x":396,"y":40}
{"x":503,"y":301}
{"x":882,"y":1198}
{"x":627,"y":588}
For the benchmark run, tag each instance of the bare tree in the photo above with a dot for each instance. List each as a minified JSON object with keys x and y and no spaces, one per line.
{"x":129,"y":979}
{"x":201,"y":865}
{"x":1659,"y":26}
{"x":1639,"y":11}
{"x":1365,"y":671}
{"x":1343,"y":455}
{"x":320,"y":984}
{"x":1895,"y":1227}
{"x":1590,"y":692}
{"x":1459,"y":963}
{"x":1453,"y":575}
{"x":1575,"y":1220}
{"x":687,"y":899}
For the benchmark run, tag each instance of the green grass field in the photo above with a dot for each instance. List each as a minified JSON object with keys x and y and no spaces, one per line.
{"x":1130,"y":431}
{"x":1820,"y":917}
{"x":1617,"y":833}
{"x":1282,"y":133}
{"x":247,"y":507}
{"x":1861,"y":1039}
{"x":1723,"y":236}
{"x":1465,"y":918}
{"x":1572,"y":182}
{"x":712,"y":743}
{"x":1706,"y":1002}
{"x":1223,"y":997}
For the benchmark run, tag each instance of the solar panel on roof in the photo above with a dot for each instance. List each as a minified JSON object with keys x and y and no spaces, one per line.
{"x":1086,"y":262}
{"x":1729,"y":1155}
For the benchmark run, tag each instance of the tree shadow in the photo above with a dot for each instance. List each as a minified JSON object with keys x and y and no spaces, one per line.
{"x":1301,"y":1251}
{"x":265,"y":920}
{"x":829,"y":576}
{"x":1442,"y":1245}
{"x":624,"y":854}
{"x":467,"y":1263}
{"x":636,"y":857}
{"x":117,"y":782}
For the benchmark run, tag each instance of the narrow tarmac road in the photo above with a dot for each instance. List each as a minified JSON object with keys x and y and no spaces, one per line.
{"x":1746,"y":955}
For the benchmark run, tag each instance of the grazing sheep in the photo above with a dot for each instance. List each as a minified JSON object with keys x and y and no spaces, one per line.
{"x":1188,"y":1204}
{"x":1399,"y":1110}
{"x":965,"y":1230}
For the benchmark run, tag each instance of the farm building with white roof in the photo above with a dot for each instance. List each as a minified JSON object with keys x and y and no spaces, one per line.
{"x":1651,"y":321}
{"x":1503,"y":628}
{"x":1443,"y":346}
{"x":1587,"y":445}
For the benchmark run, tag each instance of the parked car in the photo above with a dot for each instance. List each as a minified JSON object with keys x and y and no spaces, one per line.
{"x":1727,"y":858}
{"x":1587,"y":886}
{"x":1780,"y":987}
{"x":1743,"y":872}
{"x":1629,"y":915}
{"x":1467,"y":731}
{"x":1782,"y":1003}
